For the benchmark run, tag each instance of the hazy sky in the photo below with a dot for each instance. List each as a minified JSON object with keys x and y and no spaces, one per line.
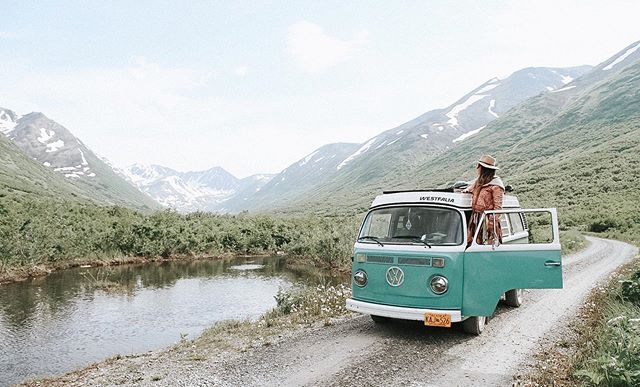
{"x":254,"y":86}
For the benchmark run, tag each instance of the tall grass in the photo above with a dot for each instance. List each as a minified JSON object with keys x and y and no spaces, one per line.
{"x":612,"y":358}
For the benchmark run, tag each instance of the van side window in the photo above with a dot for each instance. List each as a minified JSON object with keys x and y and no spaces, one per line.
{"x":504,"y":224}
{"x":516,"y":223}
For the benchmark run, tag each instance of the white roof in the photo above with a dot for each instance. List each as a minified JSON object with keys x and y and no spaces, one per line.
{"x":460,"y":200}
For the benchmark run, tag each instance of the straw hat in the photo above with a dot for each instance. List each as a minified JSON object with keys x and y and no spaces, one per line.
{"x":488,"y":162}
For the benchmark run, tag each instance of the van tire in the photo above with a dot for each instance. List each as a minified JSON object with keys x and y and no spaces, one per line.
{"x":474,"y":325}
{"x":514,"y":297}
{"x":379,"y":319}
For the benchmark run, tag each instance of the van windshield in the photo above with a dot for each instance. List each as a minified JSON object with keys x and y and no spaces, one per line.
{"x":408,"y":225}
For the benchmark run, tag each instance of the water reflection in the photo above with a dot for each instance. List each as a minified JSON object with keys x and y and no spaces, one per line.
{"x":57,"y":323}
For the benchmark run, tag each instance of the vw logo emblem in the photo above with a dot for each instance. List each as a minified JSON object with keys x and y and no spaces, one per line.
{"x":395,"y":276}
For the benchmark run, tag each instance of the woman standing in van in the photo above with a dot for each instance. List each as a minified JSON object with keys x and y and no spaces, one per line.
{"x":487,"y":190}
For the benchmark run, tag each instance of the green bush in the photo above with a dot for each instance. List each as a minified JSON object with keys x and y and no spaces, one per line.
{"x":614,"y":358}
{"x":44,"y":230}
{"x":630,"y":289}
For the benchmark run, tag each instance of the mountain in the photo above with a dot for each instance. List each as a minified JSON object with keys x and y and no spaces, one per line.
{"x":576,"y":148}
{"x":22,"y":176}
{"x":193,"y":191}
{"x":315,"y":169}
{"x":55,"y":148}
{"x":367,"y":166}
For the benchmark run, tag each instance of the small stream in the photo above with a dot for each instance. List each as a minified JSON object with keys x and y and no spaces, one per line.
{"x":69,"y":319}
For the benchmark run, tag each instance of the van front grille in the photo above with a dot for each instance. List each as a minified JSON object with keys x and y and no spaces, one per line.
{"x":379,"y":259}
{"x":414,"y":261}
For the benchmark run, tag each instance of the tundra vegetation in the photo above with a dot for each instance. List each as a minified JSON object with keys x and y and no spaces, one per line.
{"x":46,"y":233}
{"x":612,"y":356}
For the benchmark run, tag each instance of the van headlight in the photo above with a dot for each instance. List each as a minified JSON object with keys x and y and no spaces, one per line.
{"x":360,"y":278}
{"x":439,"y":284}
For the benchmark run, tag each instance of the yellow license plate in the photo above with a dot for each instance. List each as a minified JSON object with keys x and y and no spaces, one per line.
{"x":437,"y":320}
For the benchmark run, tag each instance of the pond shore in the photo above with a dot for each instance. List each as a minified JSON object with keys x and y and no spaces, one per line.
{"x":9,"y":274}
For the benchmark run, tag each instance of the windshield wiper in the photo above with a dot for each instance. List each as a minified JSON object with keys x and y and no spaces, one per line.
{"x":415,"y":238}
{"x":371,"y":238}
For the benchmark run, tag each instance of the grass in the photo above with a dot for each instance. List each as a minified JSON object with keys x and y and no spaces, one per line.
{"x":572,"y":241}
{"x":612,"y":357}
{"x":297,"y":306}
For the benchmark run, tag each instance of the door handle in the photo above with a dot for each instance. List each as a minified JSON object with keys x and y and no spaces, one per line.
{"x":552,"y":263}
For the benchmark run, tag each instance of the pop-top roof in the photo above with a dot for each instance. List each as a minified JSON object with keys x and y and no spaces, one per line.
{"x":460,"y":200}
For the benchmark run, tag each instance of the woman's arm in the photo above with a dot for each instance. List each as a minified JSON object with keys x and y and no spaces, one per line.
{"x":497,"y":194}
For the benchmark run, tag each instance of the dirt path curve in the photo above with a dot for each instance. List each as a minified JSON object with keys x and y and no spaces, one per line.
{"x":358,"y":352}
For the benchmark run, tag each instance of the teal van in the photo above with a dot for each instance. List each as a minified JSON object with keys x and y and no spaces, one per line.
{"x":411,"y":260}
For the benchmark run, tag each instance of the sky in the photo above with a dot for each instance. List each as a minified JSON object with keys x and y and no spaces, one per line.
{"x":254,"y":86}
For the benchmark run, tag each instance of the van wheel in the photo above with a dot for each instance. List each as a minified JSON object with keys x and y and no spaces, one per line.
{"x":514,"y":297}
{"x":474,"y":325}
{"x":379,"y":319}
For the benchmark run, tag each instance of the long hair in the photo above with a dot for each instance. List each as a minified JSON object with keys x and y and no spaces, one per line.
{"x":486,"y":175}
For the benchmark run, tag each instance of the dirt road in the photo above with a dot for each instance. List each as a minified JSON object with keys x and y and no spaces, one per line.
{"x":358,"y":352}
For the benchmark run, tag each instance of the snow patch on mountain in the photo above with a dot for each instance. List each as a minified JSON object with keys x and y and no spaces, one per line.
{"x":488,"y":87}
{"x":360,"y":151}
{"x":563,"y":89}
{"x":492,"y":104}
{"x":621,"y":57}
{"x":45,"y":135}
{"x":469,"y":134}
{"x":8,"y":121}
{"x":84,"y":160}
{"x":306,"y":159}
{"x":54,"y":146}
{"x":453,"y":113}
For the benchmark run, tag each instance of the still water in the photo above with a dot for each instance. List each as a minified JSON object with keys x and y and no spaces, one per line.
{"x":72,"y":318}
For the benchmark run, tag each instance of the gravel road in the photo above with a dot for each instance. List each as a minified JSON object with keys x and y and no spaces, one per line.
{"x":355,"y":351}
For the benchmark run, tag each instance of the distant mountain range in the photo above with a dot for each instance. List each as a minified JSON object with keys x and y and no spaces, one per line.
{"x":369,"y":166}
{"x":193,"y":191}
{"x":525,"y":126}
{"x":343,"y":177}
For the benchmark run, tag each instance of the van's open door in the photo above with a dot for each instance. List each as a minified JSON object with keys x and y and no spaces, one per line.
{"x":530,"y":261}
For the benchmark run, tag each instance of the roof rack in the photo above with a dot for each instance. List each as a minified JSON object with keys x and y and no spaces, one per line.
{"x":450,"y":189}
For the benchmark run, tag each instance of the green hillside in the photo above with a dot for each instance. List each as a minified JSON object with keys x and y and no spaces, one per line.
{"x":577,"y":150}
{"x":21,"y":176}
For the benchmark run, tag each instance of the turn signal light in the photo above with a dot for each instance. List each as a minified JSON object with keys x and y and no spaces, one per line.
{"x":360,"y":278}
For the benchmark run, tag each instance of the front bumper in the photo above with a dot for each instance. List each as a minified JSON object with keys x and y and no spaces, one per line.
{"x":397,"y":311}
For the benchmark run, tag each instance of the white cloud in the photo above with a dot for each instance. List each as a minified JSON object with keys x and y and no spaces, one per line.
{"x":314,"y":51}
{"x":179,"y":117}
{"x":241,"y":71}
{"x":7,"y":35}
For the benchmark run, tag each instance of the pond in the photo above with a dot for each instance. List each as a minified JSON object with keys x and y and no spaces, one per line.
{"x":69,"y":319}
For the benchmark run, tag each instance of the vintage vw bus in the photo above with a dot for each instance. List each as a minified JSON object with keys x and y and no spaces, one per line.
{"x":411,"y":260}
